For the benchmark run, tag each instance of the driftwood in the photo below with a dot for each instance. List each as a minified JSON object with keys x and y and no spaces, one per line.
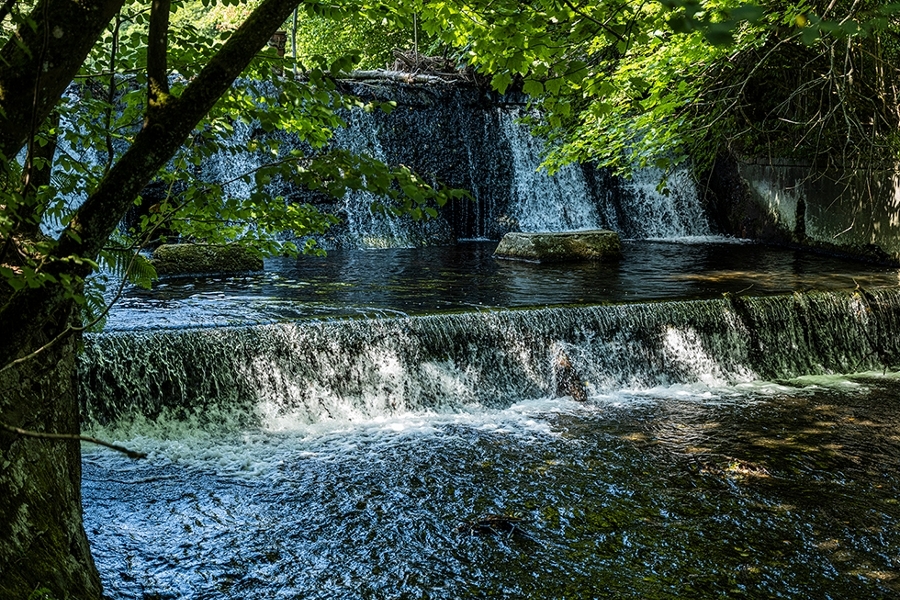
{"x":414,"y":62}
{"x":412,"y":67}
{"x":404,"y":77}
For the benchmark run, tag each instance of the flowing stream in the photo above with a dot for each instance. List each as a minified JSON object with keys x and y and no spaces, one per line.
{"x":736,"y":447}
{"x":429,"y":422}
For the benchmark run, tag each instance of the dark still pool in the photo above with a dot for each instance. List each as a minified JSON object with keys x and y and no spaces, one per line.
{"x":413,"y":281}
{"x":748,"y":490}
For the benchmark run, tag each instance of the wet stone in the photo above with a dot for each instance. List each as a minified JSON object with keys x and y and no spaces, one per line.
{"x":595,"y":244}
{"x":191,"y":259}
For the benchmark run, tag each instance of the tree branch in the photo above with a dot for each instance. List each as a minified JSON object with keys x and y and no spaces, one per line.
{"x":605,"y":27}
{"x":41,"y":435}
{"x":155,"y":144}
{"x":157,"y":44}
{"x":111,"y":93}
{"x":74,"y":27}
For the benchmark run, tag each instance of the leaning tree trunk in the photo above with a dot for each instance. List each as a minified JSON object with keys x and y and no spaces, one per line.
{"x":42,"y":539}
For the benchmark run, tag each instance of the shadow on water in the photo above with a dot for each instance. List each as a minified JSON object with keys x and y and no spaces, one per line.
{"x":787,"y":492}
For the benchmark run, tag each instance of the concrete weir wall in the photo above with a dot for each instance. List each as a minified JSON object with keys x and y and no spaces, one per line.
{"x":846,"y":211}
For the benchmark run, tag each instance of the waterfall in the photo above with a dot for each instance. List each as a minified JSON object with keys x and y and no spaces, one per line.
{"x":568,"y":200}
{"x":459,"y":137}
{"x":360,"y":369}
{"x":647,"y":212}
{"x":368,"y":228}
{"x":539,"y":201}
{"x":455,"y":140}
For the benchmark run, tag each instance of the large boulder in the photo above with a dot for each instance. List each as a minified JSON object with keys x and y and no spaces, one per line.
{"x":191,"y":259}
{"x":594,"y":244}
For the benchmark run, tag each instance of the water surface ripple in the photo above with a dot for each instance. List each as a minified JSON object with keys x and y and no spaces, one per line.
{"x":774,"y":491}
{"x":397,"y":281}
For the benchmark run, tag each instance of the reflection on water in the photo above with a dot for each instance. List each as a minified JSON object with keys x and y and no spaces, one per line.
{"x":787,"y":491}
{"x":466,"y":276}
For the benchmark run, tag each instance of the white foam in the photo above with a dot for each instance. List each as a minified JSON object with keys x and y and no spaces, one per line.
{"x":263,"y":451}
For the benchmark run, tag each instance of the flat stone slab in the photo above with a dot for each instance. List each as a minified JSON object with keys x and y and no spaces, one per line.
{"x":594,"y":244}
{"x":193,"y":259}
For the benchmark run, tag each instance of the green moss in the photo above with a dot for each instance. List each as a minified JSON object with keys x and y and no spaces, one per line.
{"x":183,"y":259}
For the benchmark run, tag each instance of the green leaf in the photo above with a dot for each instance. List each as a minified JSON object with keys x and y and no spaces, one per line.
{"x":501,"y":81}
{"x":552,"y":86}
{"x":533,"y":88}
{"x":719,"y":34}
{"x":748,"y":12}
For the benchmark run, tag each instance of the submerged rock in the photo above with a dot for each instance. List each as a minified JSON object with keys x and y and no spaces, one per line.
{"x":184,"y":259}
{"x":491,"y":524}
{"x":567,"y":381}
{"x":595,"y":244}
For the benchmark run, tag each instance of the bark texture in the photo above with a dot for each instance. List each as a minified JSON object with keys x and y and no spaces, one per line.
{"x":42,"y":539}
{"x":164,"y":131}
{"x":38,"y":63}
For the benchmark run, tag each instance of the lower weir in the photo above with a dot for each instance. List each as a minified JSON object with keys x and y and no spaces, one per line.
{"x":740,"y":447}
{"x":361,"y":368}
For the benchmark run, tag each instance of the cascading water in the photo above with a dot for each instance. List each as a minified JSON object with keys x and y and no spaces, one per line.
{"x":647,"y":212}
{"x":511,"y":189}
{"x":456,"y":137}
{"x":366,"y":227}
{"x":360,"y":369}
{"x":567,"y":201}
{"x":434,"y":457}
{"x":541,"y":202}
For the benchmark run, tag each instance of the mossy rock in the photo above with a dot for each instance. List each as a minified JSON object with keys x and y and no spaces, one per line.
{"x":595,"y":244}
{"x":190,"y":259}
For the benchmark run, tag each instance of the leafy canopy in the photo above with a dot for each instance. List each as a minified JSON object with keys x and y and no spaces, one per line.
{"x":101,"y":115}
{"x":629,"y":84}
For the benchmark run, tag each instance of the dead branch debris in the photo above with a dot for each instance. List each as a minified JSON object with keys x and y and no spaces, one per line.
{"x":413,"y":68}
{"x":41,"y":435}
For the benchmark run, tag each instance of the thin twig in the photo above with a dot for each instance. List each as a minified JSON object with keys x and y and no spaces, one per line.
{"x":71,"y":437}
{"x":602,"y":25}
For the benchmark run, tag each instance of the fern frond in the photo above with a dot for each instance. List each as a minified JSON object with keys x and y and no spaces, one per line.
{"x":119,"y":259}
{"x":141,"y":273}
{"x":94,"y":306}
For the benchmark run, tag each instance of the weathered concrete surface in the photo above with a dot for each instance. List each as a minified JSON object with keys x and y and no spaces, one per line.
{"x":596,"y":244}
{"x":184,"y":259}
{"x":853,"y":212}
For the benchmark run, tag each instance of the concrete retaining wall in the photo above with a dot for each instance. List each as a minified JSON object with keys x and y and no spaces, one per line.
{"x":854,"y":212}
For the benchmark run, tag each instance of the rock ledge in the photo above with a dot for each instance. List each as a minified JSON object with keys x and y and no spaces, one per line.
{"x":194,"y":259}
{"x":594,"y":244}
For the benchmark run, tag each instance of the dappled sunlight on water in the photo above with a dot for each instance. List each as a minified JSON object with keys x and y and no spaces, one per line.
{"x":398,"y":281}
{"x":782,"y":490}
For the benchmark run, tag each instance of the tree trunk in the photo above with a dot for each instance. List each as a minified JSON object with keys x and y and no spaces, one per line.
{"x":163,"y":133}
{"x":42,"y":539}
{"x":40,"y":60}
